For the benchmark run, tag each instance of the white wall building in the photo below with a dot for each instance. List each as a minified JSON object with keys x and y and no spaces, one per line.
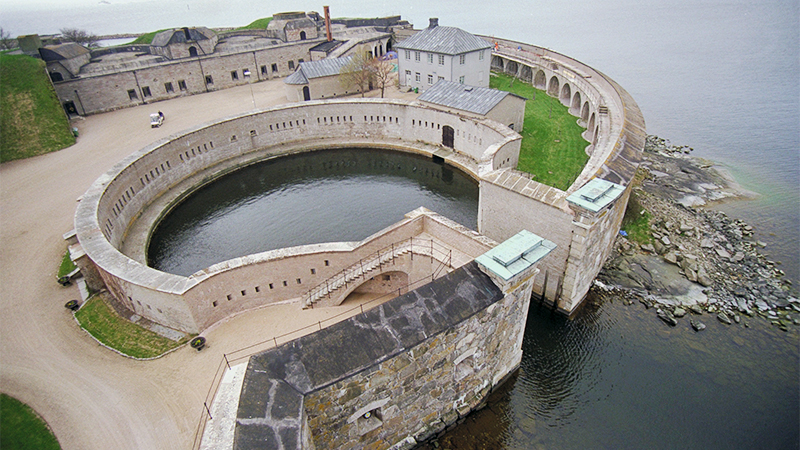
{"x":443,"y":53}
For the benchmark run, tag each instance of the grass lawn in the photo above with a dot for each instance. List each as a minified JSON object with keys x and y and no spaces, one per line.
{"x":552,"y":148}
{"x":147,"y":38}
{"x":32,"y":121}
{"x":67,"y":265}
{"x":259,"y":24}
{"x":22,"y":429}
{"x":102,"y":322}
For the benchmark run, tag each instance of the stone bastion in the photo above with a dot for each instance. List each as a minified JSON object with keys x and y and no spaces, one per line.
{"x":117,"y":213}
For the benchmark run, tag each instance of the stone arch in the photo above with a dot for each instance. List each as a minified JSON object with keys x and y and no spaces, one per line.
{"x":526,"y":74}
{"x":192,"y":51}
{"x":590,"y":127}
{"x":302,"y":35}
{"x":566,"y":94}
{"x":585,"y":112}
{"x":380,"y":284}
{"x":552,"y":89}
{"x":497,"y":63}
{"x":388,"y":46}
{"x":512,"y":67}
{"x":540,"y":80}
{"x":575,"y":108}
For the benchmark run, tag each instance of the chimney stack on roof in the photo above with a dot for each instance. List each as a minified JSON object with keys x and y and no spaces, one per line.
{"x":327,"y":23}
{"x":434,"y":22}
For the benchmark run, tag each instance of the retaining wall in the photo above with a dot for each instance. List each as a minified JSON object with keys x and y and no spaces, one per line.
{"x":116,"y":200}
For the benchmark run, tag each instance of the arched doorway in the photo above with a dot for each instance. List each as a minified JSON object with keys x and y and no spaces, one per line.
{"x":306,"y":94}
{"x":56,"y":76}
{"x":566,"y":94}
{"x":192,"y":51}
{"x":553,"y":88}
{"x":302,"y":35}
{"x":448,"y":136}
{"x":540,"y":80}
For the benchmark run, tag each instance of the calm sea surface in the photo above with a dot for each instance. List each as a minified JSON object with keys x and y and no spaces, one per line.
{"x":720,"y":76}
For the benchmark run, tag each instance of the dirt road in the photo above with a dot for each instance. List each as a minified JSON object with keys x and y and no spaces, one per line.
{"x":91,"y":397}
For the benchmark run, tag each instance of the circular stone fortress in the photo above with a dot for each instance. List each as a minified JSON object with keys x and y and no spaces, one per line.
{"x":436,"y":351}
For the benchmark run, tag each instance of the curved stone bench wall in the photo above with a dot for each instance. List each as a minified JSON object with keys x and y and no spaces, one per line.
{"x":192,"y":303}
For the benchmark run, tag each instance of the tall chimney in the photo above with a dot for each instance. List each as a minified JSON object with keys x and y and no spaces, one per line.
{"x":434,"y":22}
{"x":328,"y":23}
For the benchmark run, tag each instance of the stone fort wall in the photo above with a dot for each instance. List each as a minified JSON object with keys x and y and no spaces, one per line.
{"x":106,"y":91}
{"x":616,"y":135}
{"x":116,"y":201}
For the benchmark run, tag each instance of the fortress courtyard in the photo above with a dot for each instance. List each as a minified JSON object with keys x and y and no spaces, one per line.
{"x":91,"y":397}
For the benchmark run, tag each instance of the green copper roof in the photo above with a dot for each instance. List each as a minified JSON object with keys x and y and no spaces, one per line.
{"x":516,"y":254}
{"x":596,"y":194}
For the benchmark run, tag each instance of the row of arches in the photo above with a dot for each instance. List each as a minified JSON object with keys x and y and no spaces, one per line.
{"x":578,"y":106}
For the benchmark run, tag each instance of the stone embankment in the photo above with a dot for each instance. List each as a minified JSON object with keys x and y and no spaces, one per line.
{"x":699,"y":260}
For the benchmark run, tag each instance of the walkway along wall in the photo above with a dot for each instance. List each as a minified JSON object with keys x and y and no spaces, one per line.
{"x":511,"y":201}
{"x":424,"y":360}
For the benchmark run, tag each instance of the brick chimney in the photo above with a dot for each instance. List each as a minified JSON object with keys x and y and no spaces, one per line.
{"x":327,"y":23}
{"x":434,"y":22}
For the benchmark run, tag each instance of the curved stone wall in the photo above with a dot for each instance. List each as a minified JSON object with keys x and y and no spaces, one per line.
{"x":115,"y":202}
{"x":616,"y":132}
{"x":510,"y":201}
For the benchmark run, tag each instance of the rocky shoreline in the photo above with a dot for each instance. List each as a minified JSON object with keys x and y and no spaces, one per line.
{"x":698,"y":260}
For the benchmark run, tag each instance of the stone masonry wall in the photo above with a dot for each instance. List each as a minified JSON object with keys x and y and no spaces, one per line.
{"x":424,"y":360}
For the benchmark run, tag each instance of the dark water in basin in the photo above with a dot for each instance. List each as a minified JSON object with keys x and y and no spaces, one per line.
{"x":324,"y":196}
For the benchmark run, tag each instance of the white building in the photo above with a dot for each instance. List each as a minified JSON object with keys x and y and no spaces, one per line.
{"x":443,"y":53}
{"x":478,"y":102}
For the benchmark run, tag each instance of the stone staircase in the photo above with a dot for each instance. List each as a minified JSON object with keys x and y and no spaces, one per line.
{"x":365,"y":268}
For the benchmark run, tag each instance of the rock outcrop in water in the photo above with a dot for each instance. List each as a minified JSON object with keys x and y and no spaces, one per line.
{"x":697,"y":258}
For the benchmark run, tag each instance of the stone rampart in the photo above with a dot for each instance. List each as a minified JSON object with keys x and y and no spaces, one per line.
{"x":616,"y":133}
{"x":125,"y":196}
{"x":424,"y":360}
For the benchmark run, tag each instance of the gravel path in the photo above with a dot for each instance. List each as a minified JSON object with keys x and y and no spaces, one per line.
{"x":91,"y":397}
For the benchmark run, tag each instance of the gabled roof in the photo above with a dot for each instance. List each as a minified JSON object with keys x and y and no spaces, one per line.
{"x":179,"y":35}
{"x":62,"y":51}
{"x":478,"y":100}
{"x":446,"y":40}
{"x":317,"y":69}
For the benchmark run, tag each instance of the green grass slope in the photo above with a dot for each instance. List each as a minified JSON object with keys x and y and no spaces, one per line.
{"x":32,"y":121}
{"x":22,"y":429}
{"x":552,"y":148}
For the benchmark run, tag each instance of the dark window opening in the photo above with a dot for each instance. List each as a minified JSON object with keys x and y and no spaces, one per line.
{"x":209,"y":79}
{"x":234,"y":75}
{"x":181,"y":85}
{"x":146,"y":91}
{"x":192,"y":51}
{"x":275,"y":68}
{"x":132,"y":94}
{"x":168,"y":87}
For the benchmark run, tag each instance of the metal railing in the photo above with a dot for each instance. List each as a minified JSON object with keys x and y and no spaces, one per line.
{"x":376,"y":262}
{"x":419,"y":246}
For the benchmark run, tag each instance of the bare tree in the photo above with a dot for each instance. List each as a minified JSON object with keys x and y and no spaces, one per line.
{"x":82,"y":37}
{"x":6,"y":43}
{"x":381,"y":73}
{"x":356,"y":74}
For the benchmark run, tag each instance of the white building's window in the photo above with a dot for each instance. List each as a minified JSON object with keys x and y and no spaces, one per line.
{"x":462,"y":59}
{"x":461,"y":79}
{"x":408,"y":54}
{"x":430,"y":58}
{"x":480,"y":55}
{"x":430,"y":79}
{"x":440,"y":79}
{"x":408,"y":74}
{"x":416,"y":77}
{"x":416,"y":56}
{"x":441,"y":60}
